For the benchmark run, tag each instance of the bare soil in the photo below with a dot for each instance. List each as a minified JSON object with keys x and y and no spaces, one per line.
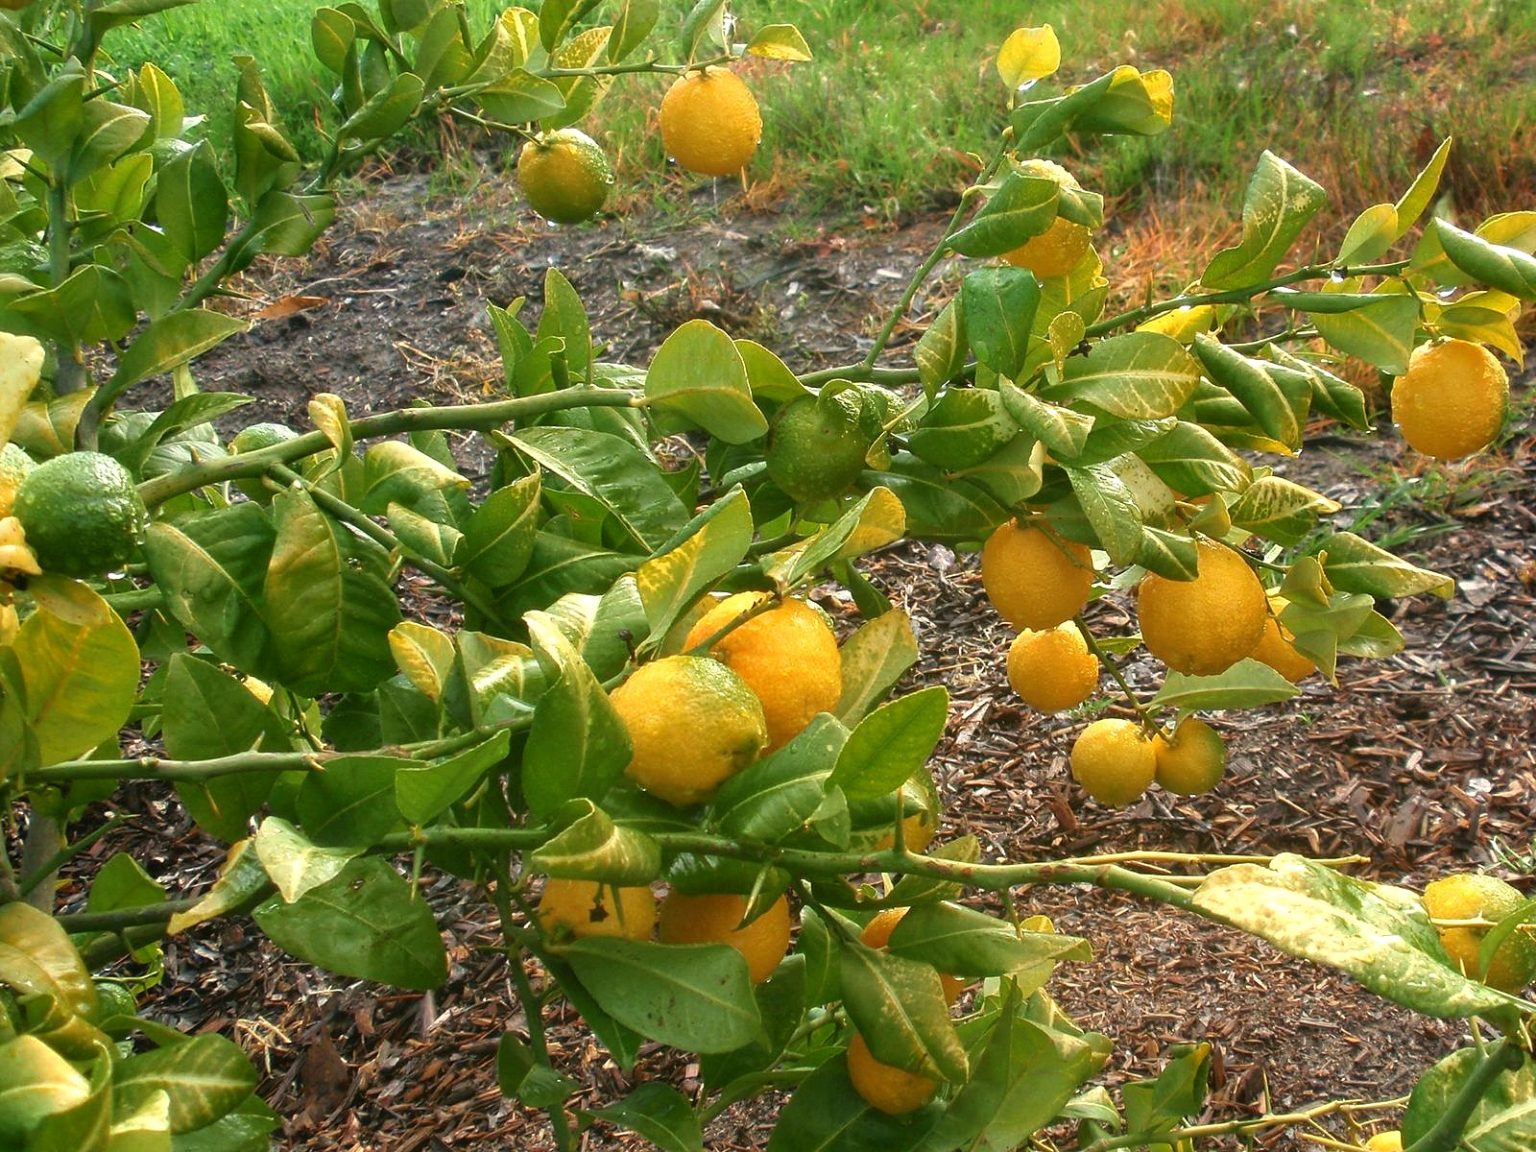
{"x":1422,"y":763}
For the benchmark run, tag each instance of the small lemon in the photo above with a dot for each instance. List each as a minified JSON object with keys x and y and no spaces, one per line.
{"x":1114,"y":761}
{"x":1034,"y":579}
{"x":1052,"y":670}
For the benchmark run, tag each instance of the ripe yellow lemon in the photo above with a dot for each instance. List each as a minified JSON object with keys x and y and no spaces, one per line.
{"x":1205,"y":625}
{"x":710,"y":123}
{"x":787,"y":655}
{"x":1191,"y":763}
{"x":1034,"y":579}
{"x":891,"y":1090}
{"x":692,"y":723}
{"x":1052,"y":670}
{"x":564,"y":175}
{"x":1276,"y":650}
{"x":581,"y":908}
{"x":1451,"y":401}
{"x":1474,"y":896}
{"x":715,"y":918}
{"x":1056,"y":251}
{"x":1385,"y":1142}
{"x":877,"y":934}
{"x":1114,"y":761}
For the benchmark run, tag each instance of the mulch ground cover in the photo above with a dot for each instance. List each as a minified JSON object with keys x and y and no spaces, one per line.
{"x":1422,"y":763}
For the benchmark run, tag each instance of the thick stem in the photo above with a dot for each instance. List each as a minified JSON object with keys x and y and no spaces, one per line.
{"x":70,"y":371}
{"x":1148,"y":721}
{"x":940,"y":250}
{"x":1504,"y":1056}
{"x":457,"y":416}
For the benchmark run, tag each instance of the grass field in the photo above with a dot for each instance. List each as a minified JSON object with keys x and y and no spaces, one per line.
{"x":1355,"y":92}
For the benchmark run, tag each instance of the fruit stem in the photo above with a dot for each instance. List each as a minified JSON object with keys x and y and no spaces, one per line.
{"x":1177,"y":1136}
{"x":533,"y":1008}
{"x":1504,"y":1056}
{"x":1148,"y":721}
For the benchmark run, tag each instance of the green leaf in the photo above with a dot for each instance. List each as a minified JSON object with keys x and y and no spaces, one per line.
{"x":206,"y":714}
{"x":352,"y":802}
{"x":498,"y":541}
{"x":1503,"y":1120}
{"x":578,"y":746}
{"x":172,"y":341}
{"x":1022,"y":1081}
{"x":212,"y":567}
{"x":424,"y":793}
{"x":874,"y":658}
{"x":1507,"y":269}
{"x":35,"y":1082}
{"x":367,"y":923}
{"x":1110,"y":508}
{"x":1178,"y":1093}
{"x":1247,"y":684}
{"x":1063,"y":431}
{"x":1421,"y":193}
{"x":965,"y":942}
{"x":611,"y":471}
{"x":1279,"y":204}
{"x":593,"y":847}
{"x":938,"y":507}
{"x":891,"y":743}
{"x":396,"y":473}
{"x":1280,"y":510}
{"x":999,"y":305}
{"x":386,"y":111}
{"x":603,"y":627}
{"x":671,"y":581}
{"x":107,"y":131}
{"x":521,"y":1075}
{"x":191,"y":203}
{"x":899,"y":1008}
{"x":658,"y":1112}
{"x":565,"y":318}
{"x":878,"y":518}
{"x":1192,"y":461}
{"x":205,"y":1077}
{"x":282,"y":225}
{"x":1383,"y":941}
{"x":633,"y":25}
{"x":93,"y":305}
{"x":1378,"y":327}
{"x":692,"y":996}
{"x":1372,"y":233}
{"x":965,"y":427}
{"x":1013,"y":473}
{"x":521,"y":97}
{"x":1354,"y":564}
{"x":1331,"y":395}
{"x":776,"y":796}
{"x":1136,"y":376}
{"x":331,"y":34}
{"x":241,"y":879}
{"x":698,"y":373}
{"x":941,"y":349}
{"x":294,"y":863}
{"x":79,"y":669}
{"x":328,"y":602}
{"x":826,"y":1115}
{"x":1276,"y":397}
{"x":38,"y":958}
{"x":779,"y":42}
{"x":1022,"y":207}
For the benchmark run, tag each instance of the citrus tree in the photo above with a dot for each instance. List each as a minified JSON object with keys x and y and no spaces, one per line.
{"x":637,"y":697}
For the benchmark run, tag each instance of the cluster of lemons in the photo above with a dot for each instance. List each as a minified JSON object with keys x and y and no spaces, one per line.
{"x":1040,"y":583}
{"x":694,"y":721}
{"x":710,"y":125}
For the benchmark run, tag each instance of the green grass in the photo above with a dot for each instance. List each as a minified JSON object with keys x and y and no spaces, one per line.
{"x":901,"y":96}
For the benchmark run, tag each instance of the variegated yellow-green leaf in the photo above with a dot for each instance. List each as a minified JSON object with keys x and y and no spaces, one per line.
{"x":1279,"y":204}
{"x":1029,"y":54}
{"x":21,"y":365}
{"x":873,"y":659}
{"x":424,"y":656}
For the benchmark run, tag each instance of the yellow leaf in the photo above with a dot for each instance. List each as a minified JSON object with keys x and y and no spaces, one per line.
{"x":1029,"y":54}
